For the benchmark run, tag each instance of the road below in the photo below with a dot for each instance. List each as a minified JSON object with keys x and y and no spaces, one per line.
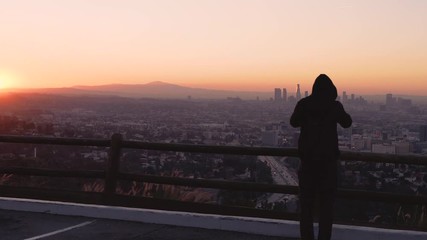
{"x":281,"y":175}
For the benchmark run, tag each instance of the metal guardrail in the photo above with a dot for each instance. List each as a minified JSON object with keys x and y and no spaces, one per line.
{"x":112,"y":175}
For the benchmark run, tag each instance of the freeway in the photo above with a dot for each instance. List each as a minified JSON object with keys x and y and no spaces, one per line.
{"x":281,"y":175}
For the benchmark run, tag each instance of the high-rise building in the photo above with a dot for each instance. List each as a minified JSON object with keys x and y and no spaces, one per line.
{"x":285,"y":94}
{"x":404,"y":102}
{"x":269,"y":138}
{"x":298,"y":95}
{"x":423,"y":133}
{"x":306,"y":94}
{"x":344,"y":97}
{"x":277,"y":94}
{"x":389,"y":100}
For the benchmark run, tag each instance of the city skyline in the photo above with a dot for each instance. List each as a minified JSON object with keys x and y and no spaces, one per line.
{"x":163,"y":90}
{"x":365,"y":47}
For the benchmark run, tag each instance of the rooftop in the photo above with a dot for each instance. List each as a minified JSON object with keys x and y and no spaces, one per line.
{"x":36,"y":219}
{"x":30,"y":226}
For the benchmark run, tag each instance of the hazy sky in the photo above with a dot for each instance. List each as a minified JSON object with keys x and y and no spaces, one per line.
{"x":365,"y":46}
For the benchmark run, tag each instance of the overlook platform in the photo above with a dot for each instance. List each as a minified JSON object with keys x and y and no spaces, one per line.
{"x":25,"y":225}
{"x":35,"y":219}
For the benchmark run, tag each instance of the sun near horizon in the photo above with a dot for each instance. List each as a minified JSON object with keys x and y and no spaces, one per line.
{"x":8,"y":80}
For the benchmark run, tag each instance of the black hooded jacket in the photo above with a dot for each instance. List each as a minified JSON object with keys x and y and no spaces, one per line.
{"x":318,"y":115}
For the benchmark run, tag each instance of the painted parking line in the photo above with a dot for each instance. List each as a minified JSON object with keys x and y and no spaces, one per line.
{"x":61,"y":230}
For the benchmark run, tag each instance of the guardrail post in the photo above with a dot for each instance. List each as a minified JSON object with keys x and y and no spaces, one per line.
{"x":113,"y":164}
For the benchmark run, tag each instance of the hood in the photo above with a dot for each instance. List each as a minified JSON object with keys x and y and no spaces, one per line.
{"x":324,"y":89}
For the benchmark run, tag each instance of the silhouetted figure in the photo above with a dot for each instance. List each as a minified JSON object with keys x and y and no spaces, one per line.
{"x":318,"y":115}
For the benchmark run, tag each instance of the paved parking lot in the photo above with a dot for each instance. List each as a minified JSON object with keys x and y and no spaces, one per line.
{"x":16,"y":225}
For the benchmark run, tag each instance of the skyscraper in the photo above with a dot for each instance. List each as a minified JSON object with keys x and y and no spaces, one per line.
{"x":298,"y":95}
{"x":277,"y":94}
{"x":344,"y":97}
{"x":285,"y":94}
{"x":389,"y":101}
{"x":306,"y":94}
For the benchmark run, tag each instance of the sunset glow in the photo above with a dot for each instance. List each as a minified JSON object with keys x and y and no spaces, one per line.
{"x":8,"y":80}
{"x":364,"y":46}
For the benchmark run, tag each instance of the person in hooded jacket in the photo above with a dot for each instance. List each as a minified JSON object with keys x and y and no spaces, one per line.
{"x":318,"y":115}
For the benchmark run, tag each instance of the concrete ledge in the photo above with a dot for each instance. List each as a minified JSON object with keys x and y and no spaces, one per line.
{"x":260,"y":226}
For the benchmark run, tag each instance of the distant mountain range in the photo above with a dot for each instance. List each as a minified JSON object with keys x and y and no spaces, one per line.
{"x":149,"y":90}
{"x":165,"y":90}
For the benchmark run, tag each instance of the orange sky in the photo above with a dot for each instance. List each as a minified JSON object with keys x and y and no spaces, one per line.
{"x":365,"y":46}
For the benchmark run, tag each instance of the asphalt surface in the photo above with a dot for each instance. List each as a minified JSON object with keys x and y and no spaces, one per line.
{"x":16,"y":225}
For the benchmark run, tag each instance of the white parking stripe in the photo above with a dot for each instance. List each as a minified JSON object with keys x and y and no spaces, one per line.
{"x":61,"y":230}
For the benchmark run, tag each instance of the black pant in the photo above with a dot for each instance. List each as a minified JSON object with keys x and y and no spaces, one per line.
{"x":317,"y":180}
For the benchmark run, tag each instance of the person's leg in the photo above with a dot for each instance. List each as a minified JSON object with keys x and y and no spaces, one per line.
{"x":328,"y":186}
{"x":326,"y":215}
{"x":306,"y":198}
{"x":306,"y":218}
